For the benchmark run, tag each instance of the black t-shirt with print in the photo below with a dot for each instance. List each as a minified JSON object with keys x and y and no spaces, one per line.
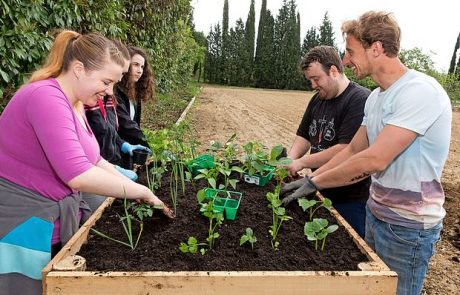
{"x":335,"y":121}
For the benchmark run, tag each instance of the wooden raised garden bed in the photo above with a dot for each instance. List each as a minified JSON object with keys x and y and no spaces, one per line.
{"x":371,"y":276}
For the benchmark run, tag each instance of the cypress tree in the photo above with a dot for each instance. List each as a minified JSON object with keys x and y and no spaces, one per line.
{"x":213,"y":64}
{"x":326,"y":33}
{"x":311,"y":40}
{"x":224,"y":78}
{"x":287,"y":46}
{"x":454,"y":56}
{"x":280,"y":43}
{"x":264,"y":69}
{"x":250,"y":36}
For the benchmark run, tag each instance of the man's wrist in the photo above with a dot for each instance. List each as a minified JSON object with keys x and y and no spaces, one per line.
{"x":314,"y":184}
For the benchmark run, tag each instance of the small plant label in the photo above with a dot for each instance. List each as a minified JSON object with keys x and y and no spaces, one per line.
{"x":252,"y":179}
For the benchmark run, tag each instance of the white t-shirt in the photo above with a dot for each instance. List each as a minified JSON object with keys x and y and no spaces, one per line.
{"x":409,"y":191}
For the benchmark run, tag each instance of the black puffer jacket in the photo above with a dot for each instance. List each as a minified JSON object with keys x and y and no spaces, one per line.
{"x":103,"y":120}
{"x":129,"y":130}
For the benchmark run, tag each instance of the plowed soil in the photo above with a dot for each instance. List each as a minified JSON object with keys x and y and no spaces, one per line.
{"x":272,"y":117}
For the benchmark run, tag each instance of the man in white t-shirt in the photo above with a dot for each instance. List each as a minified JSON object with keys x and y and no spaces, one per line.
{"x":403,"y":144}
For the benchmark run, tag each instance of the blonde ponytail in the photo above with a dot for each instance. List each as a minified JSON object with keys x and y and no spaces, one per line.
{"x":55,"y":61}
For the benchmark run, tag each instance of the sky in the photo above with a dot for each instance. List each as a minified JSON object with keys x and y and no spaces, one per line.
{"x":431,"y":25}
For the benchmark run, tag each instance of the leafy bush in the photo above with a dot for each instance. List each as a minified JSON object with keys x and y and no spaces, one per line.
{"x":159,"y":26}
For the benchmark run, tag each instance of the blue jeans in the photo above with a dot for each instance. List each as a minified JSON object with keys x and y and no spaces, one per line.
{"x":406,"y":251}
{"x":355,"y":214}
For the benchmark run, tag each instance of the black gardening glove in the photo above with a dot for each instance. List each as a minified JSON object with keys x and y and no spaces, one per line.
{"x":302,"y":188}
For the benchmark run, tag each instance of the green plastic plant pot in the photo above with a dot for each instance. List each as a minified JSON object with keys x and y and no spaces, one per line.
{"x":204,"y":161}
{"x":211,"y":193}
{"x":219,"y":204}
{"x":231,"y":208}
{"x":231,"y":201}
{"x":258,"y":179}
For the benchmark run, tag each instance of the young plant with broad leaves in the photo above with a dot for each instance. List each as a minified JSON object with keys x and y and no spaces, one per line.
{"x":192,"y":246}
{"x":248,"y":237}
{"x":317,"y":230}
{"x":278,"y":217}
{"x":210,"y":175}
{"x":215,"y":217}
{"x":225,"y":155}
{"x":257,"y":158}
{"x":310,"y":205}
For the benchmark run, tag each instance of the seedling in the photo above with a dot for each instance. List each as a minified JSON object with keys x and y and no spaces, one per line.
{"x":317,"y":230}
{"x":141,"y":210}
{"x":309,"y":204}
{"x":208,"y":210}
{"x":278,"y":216}
{"x":248,"y":237}
{"x":210,"y":175}
{"x":192,"y":246}
{"x":226,"y":170}
{"x":256,"y":158}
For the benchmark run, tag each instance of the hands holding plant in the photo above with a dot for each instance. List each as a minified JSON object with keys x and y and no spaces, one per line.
{"x":294,"y":167}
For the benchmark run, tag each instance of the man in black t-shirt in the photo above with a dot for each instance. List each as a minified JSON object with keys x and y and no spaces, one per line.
{"x":331,"y":119}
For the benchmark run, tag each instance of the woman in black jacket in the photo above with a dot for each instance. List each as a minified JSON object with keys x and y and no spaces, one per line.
{"x":135,"y":87}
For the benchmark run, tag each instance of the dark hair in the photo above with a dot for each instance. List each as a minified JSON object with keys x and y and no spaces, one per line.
{"x":144,"y":89}
{"x":375,"y":26}
{"x":327,"y":56}
{"x":93,"y":50}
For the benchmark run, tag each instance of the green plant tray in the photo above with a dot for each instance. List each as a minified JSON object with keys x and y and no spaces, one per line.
{"x":258,"y":179}
{"x":231,"y":201}
{"x":204,"y":161}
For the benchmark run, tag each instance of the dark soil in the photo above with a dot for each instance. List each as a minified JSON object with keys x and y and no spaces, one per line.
{"x":158,"y":249}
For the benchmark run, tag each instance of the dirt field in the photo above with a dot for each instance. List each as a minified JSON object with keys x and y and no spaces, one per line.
{"x":272,"y":117}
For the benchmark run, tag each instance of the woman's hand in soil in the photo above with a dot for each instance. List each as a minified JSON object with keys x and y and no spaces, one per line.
{"x":158,"y":204}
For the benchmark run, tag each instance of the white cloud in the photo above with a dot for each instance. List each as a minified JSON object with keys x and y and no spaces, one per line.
{"x":432,"y":26}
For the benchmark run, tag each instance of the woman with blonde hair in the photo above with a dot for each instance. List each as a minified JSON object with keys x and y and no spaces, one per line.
{"x":48,"y":154}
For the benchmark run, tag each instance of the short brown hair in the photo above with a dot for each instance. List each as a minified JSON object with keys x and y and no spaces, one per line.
{"x":375,"y":26}
{"x":327,"y":56}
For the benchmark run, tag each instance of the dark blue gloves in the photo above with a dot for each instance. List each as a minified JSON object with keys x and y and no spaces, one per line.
{"x":128,"y":173}
{"x":129,"y":148}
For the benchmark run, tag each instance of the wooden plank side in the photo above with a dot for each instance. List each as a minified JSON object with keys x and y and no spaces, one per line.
{"x":223,"y":283}
{"x":77,"y":240}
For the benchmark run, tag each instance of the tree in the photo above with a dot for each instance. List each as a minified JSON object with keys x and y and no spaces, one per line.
{"x":224,"y":44}
{"x":249,"y":37}
{"x":311,"y":40}
{"x":238,"y":54}
{"x":213,"y":63}
{"x":454,"y":56}
{"x":416,"y":59}
{"x":263,"y":64}
{"x":287,"y":46}
{"x":326,"y":33}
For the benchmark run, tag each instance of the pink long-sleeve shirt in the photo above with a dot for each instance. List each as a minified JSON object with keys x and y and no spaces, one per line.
{"x":42,"y":143}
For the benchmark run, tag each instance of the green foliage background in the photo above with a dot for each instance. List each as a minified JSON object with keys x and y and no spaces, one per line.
{"x":161,"y":27}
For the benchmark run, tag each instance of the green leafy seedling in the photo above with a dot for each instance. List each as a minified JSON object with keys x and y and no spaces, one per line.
{"x":248,"y":237}
{"x":317,"y":230}
{"x":309,"y":204}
